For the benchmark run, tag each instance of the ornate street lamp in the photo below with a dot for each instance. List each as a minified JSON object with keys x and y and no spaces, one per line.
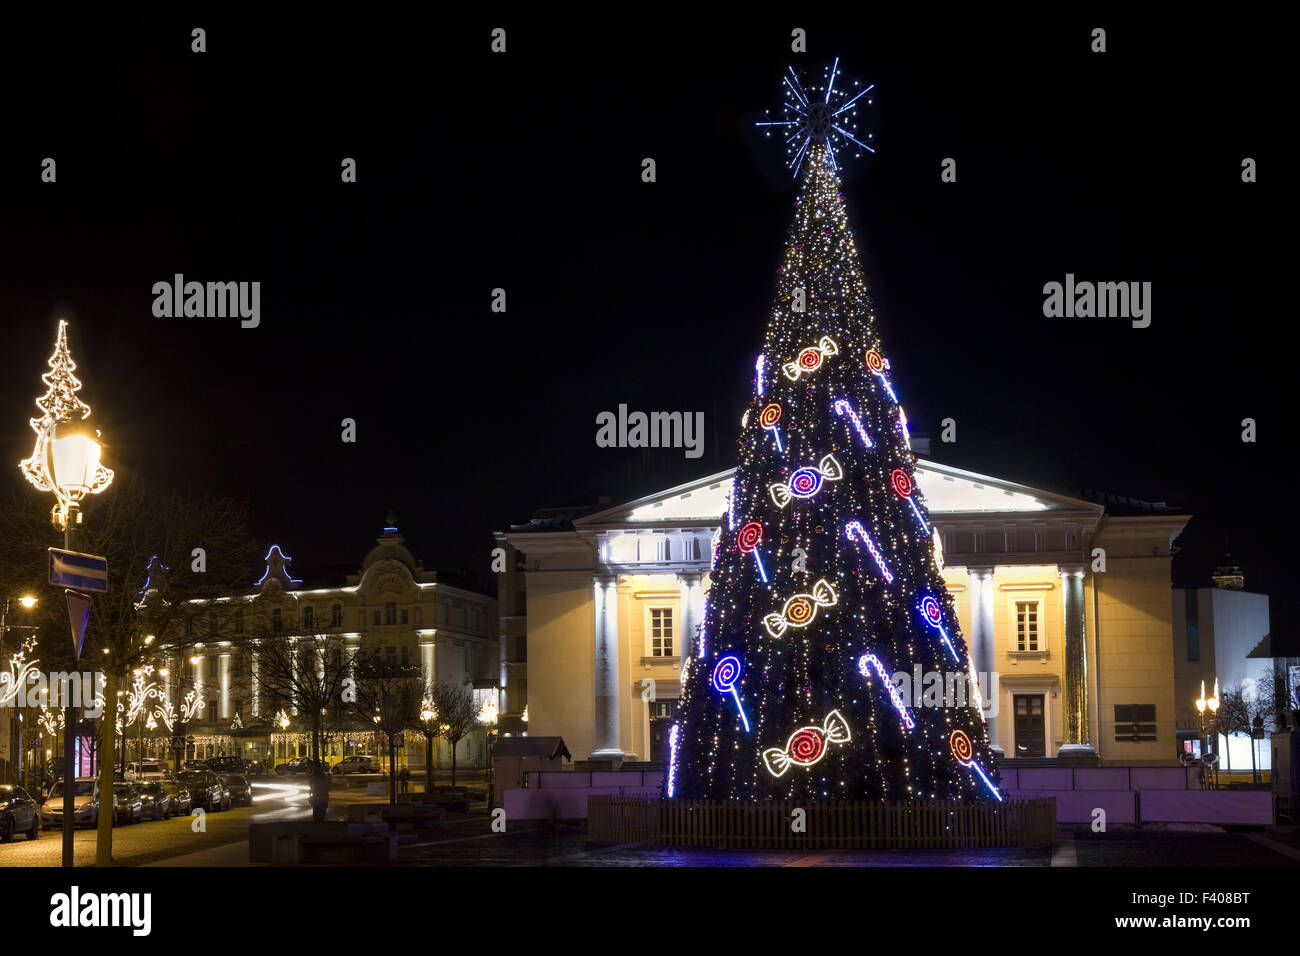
{"x":1211,"y":704}
{"x":65,"y":460}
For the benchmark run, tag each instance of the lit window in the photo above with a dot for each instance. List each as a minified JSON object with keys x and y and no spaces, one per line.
{"x":1027,"y":625}
{"x":661,"y":632}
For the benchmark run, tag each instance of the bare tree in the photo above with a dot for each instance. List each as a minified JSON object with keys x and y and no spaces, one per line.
{"x":388,"y":694}
{"x":306,"y":670}
{"x":457,"y":714}
{"x":1242,"y":705}
{"x":171,"y":555}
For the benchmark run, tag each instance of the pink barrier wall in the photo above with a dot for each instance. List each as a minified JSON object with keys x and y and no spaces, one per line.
{"x":1207,"y":806}
{"x":1076,"y":806}
{"x":1101,"y":778}
{"x":563,"y":803}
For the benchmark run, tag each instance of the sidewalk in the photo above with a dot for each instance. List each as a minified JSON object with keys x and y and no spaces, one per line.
{"x":228,"y":854}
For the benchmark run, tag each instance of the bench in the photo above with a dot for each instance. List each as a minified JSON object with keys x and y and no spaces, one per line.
{"x":304,"y":841}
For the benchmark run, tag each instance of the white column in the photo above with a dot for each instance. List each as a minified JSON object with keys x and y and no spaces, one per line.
{"x":983,"y":647}
{"x":1074,"y":676}
{"x":224,"y":678}
{"x":605,"y":728}
{"x":692,"y":610}
{"x":428,"y":659}
{"x":255,"y":687}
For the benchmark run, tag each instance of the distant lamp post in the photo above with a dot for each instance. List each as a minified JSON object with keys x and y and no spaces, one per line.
{"x":428,"y":714}
{"x":26,"y":602}
{"x":1211,"y":705}
{"x":488,"y":715}
{"x":65,"y":461}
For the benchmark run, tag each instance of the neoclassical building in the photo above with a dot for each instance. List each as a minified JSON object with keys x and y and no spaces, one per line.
{"x":390,"y":606}
{"x":1065,"y":600}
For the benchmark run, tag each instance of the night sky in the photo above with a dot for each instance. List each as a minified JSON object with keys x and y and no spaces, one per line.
{"x":522,"y":171}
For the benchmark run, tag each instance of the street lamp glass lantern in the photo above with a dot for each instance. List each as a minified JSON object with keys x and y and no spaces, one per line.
{"x":75,"y":458}
{"x":27,"y":601}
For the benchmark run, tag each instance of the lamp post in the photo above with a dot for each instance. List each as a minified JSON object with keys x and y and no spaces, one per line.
{"x":65,"y":461}
{"x":1210,"y":704}
{"x":428,"y":714}
{"x":26,"y":602}
{"x":488,"y":715}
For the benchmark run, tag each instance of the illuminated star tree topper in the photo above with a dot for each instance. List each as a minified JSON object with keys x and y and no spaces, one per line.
{"x":825,"y":113}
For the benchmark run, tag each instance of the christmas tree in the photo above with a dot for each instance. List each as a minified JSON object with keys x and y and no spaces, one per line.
{"x":826,"y":578}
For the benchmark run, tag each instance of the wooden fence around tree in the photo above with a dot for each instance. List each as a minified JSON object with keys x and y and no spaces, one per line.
{"x":840,"y":825}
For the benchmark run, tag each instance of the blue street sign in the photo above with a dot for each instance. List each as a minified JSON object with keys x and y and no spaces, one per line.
{"x":85,"y":572}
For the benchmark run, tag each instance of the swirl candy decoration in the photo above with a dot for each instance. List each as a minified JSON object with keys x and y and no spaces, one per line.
{"x":932,"y":614}
{"x":961,"y":746}
{"x":807,"y":745}
{"x":748,"y":540}
{"x":725,"y":674}
{"x":904,"y":485}
{"x":810,"y":359}
{"x":800,"y":610}
{"x":807,"y":481}
{"x":877,"y":365}
{"x":770,"y":415}
{"x":963,"y":752}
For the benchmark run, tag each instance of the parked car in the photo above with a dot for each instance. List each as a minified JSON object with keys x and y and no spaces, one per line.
{"x":194,"y":765}
{"x":19,"y":813}
{"x":180,"y":795}
{"x":228,"y":764}
{"x":128,"y":802}
{"x":85,"y":791}
{"x":157,"y":802}
{"x":205,"y":789}
{"x":239,"y":790}
{"x":356,"y":764}
{"x":254,"y":768}
{"x":298,"y":766}
{"x":141,"y":771}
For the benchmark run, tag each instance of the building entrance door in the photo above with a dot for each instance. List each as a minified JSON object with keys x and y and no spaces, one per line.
{"x":1031,"y":737}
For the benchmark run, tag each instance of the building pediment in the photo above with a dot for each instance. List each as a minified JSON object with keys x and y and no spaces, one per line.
{"x":948,"y":491}
{"x":387,"y":578}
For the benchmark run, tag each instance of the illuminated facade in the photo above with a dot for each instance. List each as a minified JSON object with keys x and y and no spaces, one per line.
{"x":391,"y":607}
{"x":1065,"y":600}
